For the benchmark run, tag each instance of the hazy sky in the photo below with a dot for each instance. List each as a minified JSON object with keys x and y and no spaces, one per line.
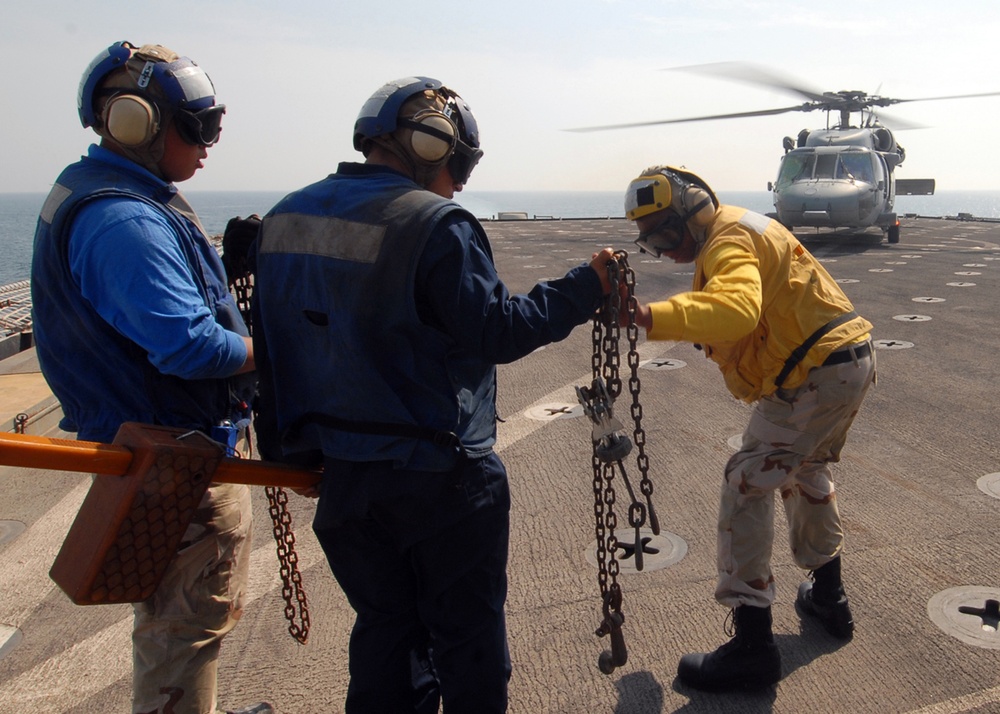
{"x":294,"y":74}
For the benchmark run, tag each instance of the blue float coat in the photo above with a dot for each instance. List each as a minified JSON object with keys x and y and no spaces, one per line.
{"x":132,"y":319}
{"x":380,"y":302}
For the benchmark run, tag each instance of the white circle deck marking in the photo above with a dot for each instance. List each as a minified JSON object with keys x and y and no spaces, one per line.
{"x":662,"y":363}
{"x":670,"y":549}
{"x":979,"y":631}
{"x":968,"y":272}
{"x":892,"y":345}
{"x":961,"y":285}
{"x":846,"y":281}
{"x":912,"y":318}
{"x":990,"y":484}
{"x":928,"y":299}
{"x":880,"y":270}
{"x":553,"y":411}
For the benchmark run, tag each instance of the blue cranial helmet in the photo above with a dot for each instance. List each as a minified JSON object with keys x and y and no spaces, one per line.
{"x":443,"y":129}
{"x":174,"y":84}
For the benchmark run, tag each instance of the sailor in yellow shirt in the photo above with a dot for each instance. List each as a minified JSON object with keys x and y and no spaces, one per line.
{"x":787,"y":339}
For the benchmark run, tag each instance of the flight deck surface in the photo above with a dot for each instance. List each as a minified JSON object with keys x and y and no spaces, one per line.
{"x":918,"y":487}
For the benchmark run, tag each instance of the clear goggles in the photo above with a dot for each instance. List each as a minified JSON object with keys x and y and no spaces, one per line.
{"x":665,"y":237}
{"x":201,"y":128}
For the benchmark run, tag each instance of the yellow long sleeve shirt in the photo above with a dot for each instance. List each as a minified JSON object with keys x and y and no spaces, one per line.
{"x":757,"y":295}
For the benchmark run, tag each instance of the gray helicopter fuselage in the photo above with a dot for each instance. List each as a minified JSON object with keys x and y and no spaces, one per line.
{"x":838,"y":178}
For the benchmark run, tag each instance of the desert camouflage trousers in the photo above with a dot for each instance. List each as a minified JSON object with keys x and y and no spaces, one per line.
{"x":178,"y":631}
{"x":788,"y":446}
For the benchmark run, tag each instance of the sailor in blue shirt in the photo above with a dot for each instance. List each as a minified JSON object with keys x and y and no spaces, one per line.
{"x":379,"y":322}
{"x":133,"y":321}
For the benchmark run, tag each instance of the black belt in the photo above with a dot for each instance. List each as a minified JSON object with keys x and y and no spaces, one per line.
{"x":848,"y":354}
{"x":800,"y":352}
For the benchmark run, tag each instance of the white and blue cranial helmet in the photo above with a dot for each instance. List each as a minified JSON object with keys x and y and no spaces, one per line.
{"x":128,"y":93}
{"x":425,"y":123}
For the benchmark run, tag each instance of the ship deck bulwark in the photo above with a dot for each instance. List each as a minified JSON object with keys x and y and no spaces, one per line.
{"x":920,"y":529}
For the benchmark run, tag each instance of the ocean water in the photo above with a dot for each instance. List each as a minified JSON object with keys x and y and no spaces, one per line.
{"x":19,"y":211}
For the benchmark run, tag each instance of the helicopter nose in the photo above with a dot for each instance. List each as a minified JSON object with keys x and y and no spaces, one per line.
{"x":825,"y":203}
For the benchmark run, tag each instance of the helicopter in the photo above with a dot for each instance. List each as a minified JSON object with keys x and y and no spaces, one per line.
{"x":839,"y":177}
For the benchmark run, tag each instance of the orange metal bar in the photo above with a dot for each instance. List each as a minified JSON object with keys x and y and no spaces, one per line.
{"x":41,"y":452}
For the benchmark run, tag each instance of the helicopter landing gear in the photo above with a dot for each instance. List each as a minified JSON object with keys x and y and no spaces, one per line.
{"x":893,"y":233}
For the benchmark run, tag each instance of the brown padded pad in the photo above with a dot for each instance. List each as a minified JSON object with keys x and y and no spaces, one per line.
{"x":129,"y":527}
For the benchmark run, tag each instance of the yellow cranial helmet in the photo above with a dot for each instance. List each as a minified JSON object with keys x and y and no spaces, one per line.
{"x":661,"y":187}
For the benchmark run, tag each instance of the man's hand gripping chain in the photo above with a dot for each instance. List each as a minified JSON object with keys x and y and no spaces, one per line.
{"x":611,"y":445}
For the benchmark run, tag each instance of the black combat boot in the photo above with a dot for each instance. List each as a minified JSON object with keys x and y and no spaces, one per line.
{"x":748,"y":661}
{"x":824,"y":599}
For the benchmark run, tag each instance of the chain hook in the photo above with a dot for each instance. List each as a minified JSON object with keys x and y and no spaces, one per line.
{"x":611,"y":445}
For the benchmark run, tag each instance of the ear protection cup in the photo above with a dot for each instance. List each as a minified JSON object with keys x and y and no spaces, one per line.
{"x":131,"y":120}
{"x":697,"y":205}
{"x":433,"y":136}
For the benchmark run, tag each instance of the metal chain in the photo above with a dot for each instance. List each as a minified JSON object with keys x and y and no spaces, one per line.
{"x":638,"y":433}
{"x":296,"y":606}
{"x":610,"y":448}
{"x":612,"y":334}
{"x":288,"y":559}
{"x":242,"y":288}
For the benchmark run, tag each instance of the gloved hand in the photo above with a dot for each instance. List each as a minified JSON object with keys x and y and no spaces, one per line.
{"x":239,"y":235}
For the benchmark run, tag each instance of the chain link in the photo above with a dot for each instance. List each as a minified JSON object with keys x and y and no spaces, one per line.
{"x":638,"y":434}
{"x":606,"y":363}
{"x":291,"y":580}
{"x":242,"y":288}
{"x":296,"y":607}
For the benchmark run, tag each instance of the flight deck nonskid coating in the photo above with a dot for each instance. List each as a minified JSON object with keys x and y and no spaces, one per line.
{"x":915,"y":490}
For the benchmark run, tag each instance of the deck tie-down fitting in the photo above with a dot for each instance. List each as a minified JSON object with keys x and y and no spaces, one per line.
{"x":989,"y":613}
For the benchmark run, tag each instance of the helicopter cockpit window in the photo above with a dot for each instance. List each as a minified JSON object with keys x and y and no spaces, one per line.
{"x":794,"y":167}
{"x":826,"y":166}
{"x":856,"y":167}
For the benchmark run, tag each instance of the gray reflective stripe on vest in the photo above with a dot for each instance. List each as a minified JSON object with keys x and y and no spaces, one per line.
{"x":323,"y":236}
{"x":53,"y":201}
{"x":179,"y":204}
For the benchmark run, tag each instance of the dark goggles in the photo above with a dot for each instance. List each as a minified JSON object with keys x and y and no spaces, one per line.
{"x":201,"y":128}
{"x":665,"y":237}
{"x":463,"y":160}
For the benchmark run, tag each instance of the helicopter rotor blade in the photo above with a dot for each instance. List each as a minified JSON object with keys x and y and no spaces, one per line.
{"x":754,"y":74}
{"x":897,"y":124}
{"x":932,"y":99}
{"x":844,"y":102}
{"x":735,"y":115}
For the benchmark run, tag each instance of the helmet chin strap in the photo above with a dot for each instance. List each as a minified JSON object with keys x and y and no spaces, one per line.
{"x":422,"y":175}
{"x":148,"y":156}
{"x":698,"y":234}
